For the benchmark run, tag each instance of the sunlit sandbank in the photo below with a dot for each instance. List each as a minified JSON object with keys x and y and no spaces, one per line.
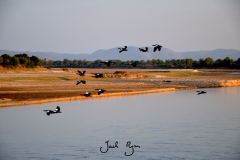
{"x":26,"y":87}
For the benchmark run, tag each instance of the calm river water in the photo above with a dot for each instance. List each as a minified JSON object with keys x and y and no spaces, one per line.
{"x":169,"y":125}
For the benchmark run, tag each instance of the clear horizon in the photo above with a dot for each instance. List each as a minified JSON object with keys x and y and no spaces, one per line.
{"x":87,"y":26}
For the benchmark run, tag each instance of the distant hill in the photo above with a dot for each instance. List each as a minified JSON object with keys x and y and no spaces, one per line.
{"x":214,"y":54}
{"x":47,"y":55}
{"x":133,"y":53}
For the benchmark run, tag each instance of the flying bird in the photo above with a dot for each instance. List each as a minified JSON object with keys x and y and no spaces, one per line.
{"x":134,"y":64}
{"x":100,"y":91}
{"x":201,"y":92}
{"x":81,"y":81}
{"x":81,"y":73}
{"x":87,"y":94}
{"x":57,"y":110}
{"x":143,"y":50}
{"x":157,"y":47}
{"x":122,"y":49}
{"x":168,"y":81}
{"x":98,"y":75}
{"x":108,"y":63}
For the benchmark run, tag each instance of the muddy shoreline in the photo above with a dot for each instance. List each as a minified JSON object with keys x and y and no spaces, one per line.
{"x":27,"y":87}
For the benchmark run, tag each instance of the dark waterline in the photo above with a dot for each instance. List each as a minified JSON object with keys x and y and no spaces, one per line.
{"x":169,"y":125}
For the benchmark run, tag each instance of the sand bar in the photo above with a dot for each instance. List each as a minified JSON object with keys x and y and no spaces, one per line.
{"x":27,"y":87}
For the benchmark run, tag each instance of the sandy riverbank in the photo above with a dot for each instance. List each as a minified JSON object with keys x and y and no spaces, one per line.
{"x":25,"y":87}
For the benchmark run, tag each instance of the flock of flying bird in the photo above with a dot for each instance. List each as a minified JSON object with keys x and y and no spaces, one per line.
{"x":134,"y":64}
{"x":156,"y":47}
{"x":87,"y":94}
{"x":108,"y":63}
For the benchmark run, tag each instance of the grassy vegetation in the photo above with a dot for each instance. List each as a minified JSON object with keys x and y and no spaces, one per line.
{"x":174,"y":73}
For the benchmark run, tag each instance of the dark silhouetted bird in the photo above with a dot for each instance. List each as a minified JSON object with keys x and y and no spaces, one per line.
{"x":143,"y":50}
{"x":108,"y":63}
{"x":157,"y":47}
{"x":87,"y":94}
{"x":81,"y":73}
{"x":81,"y":81}
{"x":168,"y":81}
{"x":98,"y":75}
{"x":122,"y":49}
{"x":57,"y":110}
{"x":100,"y":91}
{"x":201,"y":92}
{"x":134,"y":64}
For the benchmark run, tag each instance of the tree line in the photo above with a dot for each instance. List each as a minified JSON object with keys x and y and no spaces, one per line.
{"x":154,"y":63}
{"x":19,"y":60}
{"x":24,"y":60}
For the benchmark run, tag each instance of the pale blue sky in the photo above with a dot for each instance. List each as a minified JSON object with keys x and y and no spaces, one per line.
{"x":84,"y":26}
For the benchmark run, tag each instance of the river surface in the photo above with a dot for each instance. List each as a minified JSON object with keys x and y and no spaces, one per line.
{"x":169,"y":125}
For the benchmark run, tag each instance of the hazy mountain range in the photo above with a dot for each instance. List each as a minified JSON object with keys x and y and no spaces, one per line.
{"x":133,"y":53}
